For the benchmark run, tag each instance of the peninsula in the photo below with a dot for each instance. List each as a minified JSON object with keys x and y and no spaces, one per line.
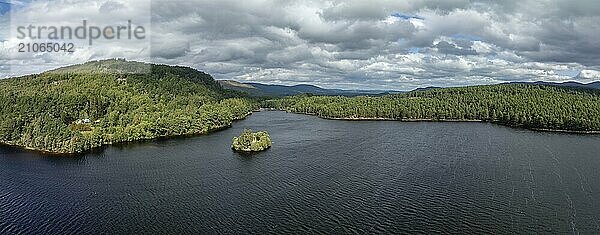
{"x":77,"y":108}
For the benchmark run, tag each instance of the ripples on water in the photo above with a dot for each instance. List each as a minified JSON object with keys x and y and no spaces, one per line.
{"x":321,"y":176}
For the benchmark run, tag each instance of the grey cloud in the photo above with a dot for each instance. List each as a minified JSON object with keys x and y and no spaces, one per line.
{"x":448,"y":48}
{"x":110,"y":6}
{"x":350,"y":43}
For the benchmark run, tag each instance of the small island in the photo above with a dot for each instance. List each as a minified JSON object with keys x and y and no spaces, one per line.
{"x":250,"y":141}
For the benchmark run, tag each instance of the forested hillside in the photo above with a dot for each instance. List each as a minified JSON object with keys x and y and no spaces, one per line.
{"x":76,"y":108}
{"x":528,"y":106}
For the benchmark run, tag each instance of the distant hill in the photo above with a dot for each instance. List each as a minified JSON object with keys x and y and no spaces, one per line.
{"x":242,"y":87}
{"x":593,"y":85}
{"x":259,"y":89}
{"x":426,"y":88}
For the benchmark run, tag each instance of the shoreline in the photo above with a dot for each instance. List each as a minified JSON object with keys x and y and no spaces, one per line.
{"x":74,"y":154}
{"x":359,"y":119}
{"x":449,"y":120}
{"x":35,"y":150}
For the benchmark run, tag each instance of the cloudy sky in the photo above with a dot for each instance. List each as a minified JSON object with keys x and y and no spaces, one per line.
{"x":374,"y":44}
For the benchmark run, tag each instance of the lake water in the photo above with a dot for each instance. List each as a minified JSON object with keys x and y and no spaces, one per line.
{"x":321,"y":176}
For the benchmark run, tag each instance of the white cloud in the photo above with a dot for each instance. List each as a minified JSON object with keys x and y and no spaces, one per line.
{"x":590,"y":74}
{"x":350,"y":44}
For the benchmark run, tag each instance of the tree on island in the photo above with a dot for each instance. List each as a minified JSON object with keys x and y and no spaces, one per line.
{"x":250,"y":141}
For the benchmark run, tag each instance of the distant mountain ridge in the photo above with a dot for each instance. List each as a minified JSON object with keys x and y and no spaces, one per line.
{"x":259,"y":89}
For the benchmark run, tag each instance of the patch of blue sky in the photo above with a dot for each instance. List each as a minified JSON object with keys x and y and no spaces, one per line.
{"x":568,"y":73}
{"x":492,"y":56}
{"x":9,"y":5}
{"x":4,"y":7}
{"x":406,"y":16}
{"x":413,"y":50}
{"x":468,"y":37}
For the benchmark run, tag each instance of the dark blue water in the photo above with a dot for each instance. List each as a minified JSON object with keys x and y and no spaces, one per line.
{"x":321,"y":176}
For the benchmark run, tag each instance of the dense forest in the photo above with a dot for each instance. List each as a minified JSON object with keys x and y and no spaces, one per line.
{"x":250,"y":141}
{"x":76,"y":108}
{"x":519,"y":105}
